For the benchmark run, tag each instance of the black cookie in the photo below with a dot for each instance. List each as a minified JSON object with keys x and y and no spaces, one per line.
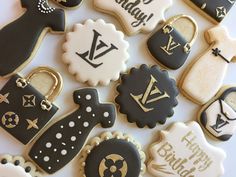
{"x":64,"y":140}
{"x":69,"y":3}
{"x":215,"y":9}
{"x":19,"y":38}
{"x":147,"y":96}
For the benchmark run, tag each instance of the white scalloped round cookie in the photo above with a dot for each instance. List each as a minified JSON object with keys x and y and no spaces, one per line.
{"x":95,"y":52}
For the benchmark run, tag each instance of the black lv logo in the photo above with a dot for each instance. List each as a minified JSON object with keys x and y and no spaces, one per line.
{"x":91,"y":55}
{"x":170,"y":46}
{"x":144,"y":99}
{"x":219,"y":124}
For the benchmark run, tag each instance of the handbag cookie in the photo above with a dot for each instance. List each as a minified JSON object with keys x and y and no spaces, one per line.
{"x":216,"y":10}
{"x":135,"y":15}
{"x":20,"y":39}
{"x":145,"y":93}
{"x":95,"y":52}
{"x":26,"y":104}
{"x":203,"y":79}
{"x":61,"y":142}
{"x":16,"y":166}
{"x":218,"y":117}
{"x":112,"y":154}
{"x":184,"y":151}
{"x":170,"y":45}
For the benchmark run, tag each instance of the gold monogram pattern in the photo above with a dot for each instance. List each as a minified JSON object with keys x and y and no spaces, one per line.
{"x":171,"y":45}
{"x":10,"y":120}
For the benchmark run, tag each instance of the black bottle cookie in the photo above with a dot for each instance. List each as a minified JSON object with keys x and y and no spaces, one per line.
{"x":19,"y":39}
{"x":63,"y":140}
{"x":69,"y":3}
{"x":112,"y":155}
{"x":147,"y":95}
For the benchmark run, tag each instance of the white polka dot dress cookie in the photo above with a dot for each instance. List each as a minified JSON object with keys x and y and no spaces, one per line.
{"x":16,"y":166}
{"x":64,"y":140}
{"x":95,"y":52}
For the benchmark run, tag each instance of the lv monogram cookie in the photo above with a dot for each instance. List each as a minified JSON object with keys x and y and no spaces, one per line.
{"x":16,"y":166}
{"x":20,"y":39}
{"x":147,"y":95}
{"x":215,"y":10}
{"x":112,"y":155}
{"x":61,"y":142}
{"x":203,"y":79}
{"x":95,"y":52}
{"x":135,"y":15}
{"x":218,"y":117}
{"x":184,"y":151}
{"x":26,"y":106}
{"x":69,"y":3}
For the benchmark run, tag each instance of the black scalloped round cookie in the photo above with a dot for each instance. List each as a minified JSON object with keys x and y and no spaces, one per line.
{"x":147,"y":95}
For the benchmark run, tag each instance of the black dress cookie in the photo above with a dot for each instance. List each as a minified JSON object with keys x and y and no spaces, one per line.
{"x":112,"y":155}
{"x":69,"y":3}
{"x":147,"y":95}
{"x":63,"y":141}
{"x":19,"y":39}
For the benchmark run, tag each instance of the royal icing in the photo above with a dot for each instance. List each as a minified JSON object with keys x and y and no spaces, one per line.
{"x":136,"y":15}
{"x":19,"y":39}
{"x":112,"y":154}
{"x":61,"y":142}
{"x":69,"y":3}
{"x":96,"y":52}
{"x":205,"y":76}
{"x":145,"y":93}
{"x":219,"y":117}
{"x":184,"y":151}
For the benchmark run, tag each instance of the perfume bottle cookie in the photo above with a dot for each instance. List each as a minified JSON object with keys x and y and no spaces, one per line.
{"x":112,"y":154}
{"x":69,"y":3}
{"x":95,"y":52}
{"x":20,"y":39}
{"x":184,"y":151}
{"x":135,"y":15}
{"x":16,"y":166}
{"x":216,"y":11}
{"x":62,"y":141}
{"x":145,"y":93}
{"x":204,"y":77}
{"x":218,"y":117}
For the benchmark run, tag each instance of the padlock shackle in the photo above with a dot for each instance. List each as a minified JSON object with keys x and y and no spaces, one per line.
{"x":58,"y":82}
{"x":172,"y":20}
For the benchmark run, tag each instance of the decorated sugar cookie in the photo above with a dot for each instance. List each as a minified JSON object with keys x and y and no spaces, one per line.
{"x":145,"y":93}
{"x":61,"y":142}
{"x":218,"y":117}
{"x":16,"y":166}
{"x":69,"y":3}
{"x":20,"y":39}
{"x":204,"y":78}
{"x":112,"y":155}
{"x":136,"y":15}
{"x":95,"y":52}
{"x":216,"y":10}
{"x":183,"y":151}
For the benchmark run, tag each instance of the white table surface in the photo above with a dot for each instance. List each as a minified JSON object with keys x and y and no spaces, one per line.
{"x":49,"y":53}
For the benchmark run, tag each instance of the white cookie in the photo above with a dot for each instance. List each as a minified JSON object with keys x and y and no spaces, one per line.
{"x":16,"y":167}
{"x":183,"y":151}
{"x":136,"y":15}
{"x":96,"y":52}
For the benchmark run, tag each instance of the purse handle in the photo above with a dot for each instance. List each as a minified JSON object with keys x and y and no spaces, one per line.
{"x":52,"y":93}
{"x":169,"y":27}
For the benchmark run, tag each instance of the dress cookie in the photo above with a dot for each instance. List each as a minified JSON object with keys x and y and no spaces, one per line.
{"x":17,"y":167}
{"x":204,"y":78}
{"x":218,"y":117}
{"x":69,"y":3}
{"x":136,"y":15}
{"x":145,"y":93}
{"x":216,"y":10}
{"x":20,"y":39}
{"x":61,"y":142}
{"x":183,"y":151}
{"x":112,"y":155}
{"x":96,"y":52}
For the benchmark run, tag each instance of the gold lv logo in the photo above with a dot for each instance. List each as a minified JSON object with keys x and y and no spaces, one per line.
{"x":143,"y":99}
{"x":170,"y":46}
